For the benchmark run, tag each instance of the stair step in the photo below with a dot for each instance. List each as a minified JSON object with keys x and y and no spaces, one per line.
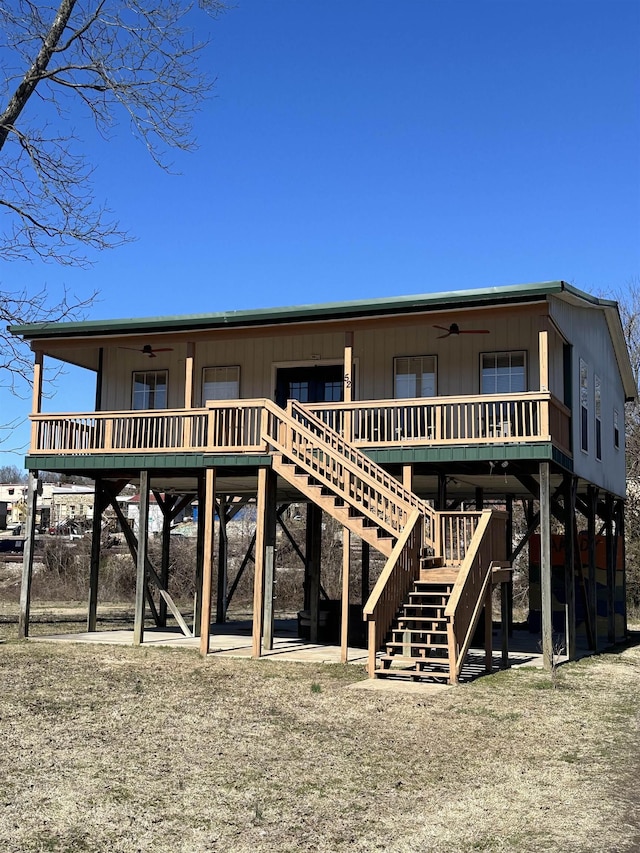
{"x":417,"y":645}
{"x":447,"y":575}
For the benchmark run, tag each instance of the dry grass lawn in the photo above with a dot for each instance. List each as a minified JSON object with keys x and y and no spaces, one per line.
{"x":115,"y":749}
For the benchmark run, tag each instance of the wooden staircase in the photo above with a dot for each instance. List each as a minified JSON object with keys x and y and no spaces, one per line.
{"x":418,"y":644}
{"x":428,"y":599}
{"x":349,"y":515}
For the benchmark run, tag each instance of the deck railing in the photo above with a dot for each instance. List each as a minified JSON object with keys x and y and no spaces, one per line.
{"x":486,"y":548}
{"x":396,"y":579}
{"x":224,"y":426}
{"x":234,"y":425}
{"x":479,"y":419}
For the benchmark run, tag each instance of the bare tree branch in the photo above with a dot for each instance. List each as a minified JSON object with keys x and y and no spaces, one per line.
{"x":115,"y":59}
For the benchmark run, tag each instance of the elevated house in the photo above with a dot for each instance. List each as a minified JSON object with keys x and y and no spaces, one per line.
{"x":415,"y":421}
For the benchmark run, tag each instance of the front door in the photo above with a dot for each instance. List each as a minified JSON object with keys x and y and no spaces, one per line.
{"x":322,"y":383}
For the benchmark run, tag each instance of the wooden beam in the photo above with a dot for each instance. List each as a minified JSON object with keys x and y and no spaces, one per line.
{"x":407,"y":477}
{"x":346,"y":571}
{"x":611,"y":570}
{"x":141,"y":565}
{"x":207,"y":558}
{"x":166,"y":506}
{"x":27,"y":555}
{"x":543,"y":357}
{"x":488,"y":629}
{"x":545,"y":566}
{"x":248,"y":556}
{"x":99,"y":373}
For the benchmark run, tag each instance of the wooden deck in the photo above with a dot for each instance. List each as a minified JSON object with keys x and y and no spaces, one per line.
{"x":238,"y":426}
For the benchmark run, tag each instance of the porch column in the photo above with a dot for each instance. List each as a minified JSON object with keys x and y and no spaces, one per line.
{"x":543,"y":355}
{"x":27,"y":557}
{"x":207,"y":557}
{"x":545,"y":566}
{"x":269,"y":557}
{"x":141,"y":563}
{"x":407,"y":477}
{"x":621,"y":544}
{"x":346,"y":569}
{"x":507,"y":588}
{"x":36,"y":396}
{"x":188,"y":375}
{"x":96,"y":535}
{"x":99,"y":379}
{"x":348,"y":383}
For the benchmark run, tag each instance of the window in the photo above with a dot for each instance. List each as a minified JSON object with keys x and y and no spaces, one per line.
{"x":616,"y":430}
{"x":220,"y":383}
{"x":584,"y":406}
{"x":597,"y":399}
{"x":150,"y":389}
{"x":503,"y":373}
{"x":414,"y":376}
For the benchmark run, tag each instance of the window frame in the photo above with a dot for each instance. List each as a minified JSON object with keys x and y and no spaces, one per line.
{"x":510,"y":353}
{"x":148,"y":373}
{"x":434,"y":372}
{"x":583,"y":403}
{"x":203,"y":382}
{"x":597,"y":415}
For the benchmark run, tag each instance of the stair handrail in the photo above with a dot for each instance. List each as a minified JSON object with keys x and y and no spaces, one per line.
{"x":396,"y":579}
{"x":467,"y":599}
{"x":279,"y":429}
{"x":364,"y":464}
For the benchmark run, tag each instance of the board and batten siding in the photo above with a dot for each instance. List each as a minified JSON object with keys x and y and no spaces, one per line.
{"x":588,"y":332}
{"x":458,"y":357}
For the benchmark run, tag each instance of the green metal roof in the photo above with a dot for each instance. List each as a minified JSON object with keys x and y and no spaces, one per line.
{"x":306,"y":313}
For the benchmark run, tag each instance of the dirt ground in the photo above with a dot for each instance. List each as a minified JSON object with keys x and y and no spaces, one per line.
{"x":120,"y":749}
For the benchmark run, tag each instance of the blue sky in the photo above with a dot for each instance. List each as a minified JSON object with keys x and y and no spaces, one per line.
{"x":359,"y":148}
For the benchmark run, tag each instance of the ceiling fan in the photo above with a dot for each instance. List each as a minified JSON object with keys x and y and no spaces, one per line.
{"x":147,"y":349}
{"x":454,"y":329}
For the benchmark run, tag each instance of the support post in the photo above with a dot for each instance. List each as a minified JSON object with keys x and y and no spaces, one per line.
{"x":611,"y":570}
{"x":259,"y":565}
{"x":94,"y":569}
{"x":314,"y":557}
{"x":442,"y":493}
{"x":592,"y":504}
{"x":207,"y":557}
{"x":545,"y":566}
{"x":202,"y":512}
{"x":407,"y":477}
{"x":27,"y":556}
{"x":223,"y":550}
{"x":364,"y":569}
{"x":479,"y":499}
{"x":504,"y":622}
{"x":570,"y":565}
{"x":488,"y":629}
{"x":165,"y":560}
{"x":508,"y":588}
{"x":141,"y":564}
{"x":346,"y":569}
{"x":269,"y":558}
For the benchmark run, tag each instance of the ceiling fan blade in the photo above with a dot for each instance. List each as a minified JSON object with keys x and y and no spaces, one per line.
{"x":162,"y":349}
{"x":473,"y":331}
{"x":444,"y":328}
{"x":443,"y":336}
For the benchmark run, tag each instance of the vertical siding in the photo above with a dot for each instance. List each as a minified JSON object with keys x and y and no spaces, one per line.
{"x":588,"y":332}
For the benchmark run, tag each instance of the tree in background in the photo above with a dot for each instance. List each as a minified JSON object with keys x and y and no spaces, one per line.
{"x":106,"y":60}
{"x":629,"y":302}
{"x":116,"y":58}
